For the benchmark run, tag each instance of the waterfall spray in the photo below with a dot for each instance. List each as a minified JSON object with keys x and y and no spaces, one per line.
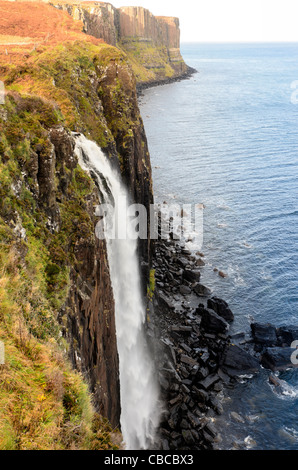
{"x":138,"y":385}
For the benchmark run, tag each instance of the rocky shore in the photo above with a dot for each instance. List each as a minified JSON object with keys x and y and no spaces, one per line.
{"x":196,"y":356}
{"x":141,"y":86}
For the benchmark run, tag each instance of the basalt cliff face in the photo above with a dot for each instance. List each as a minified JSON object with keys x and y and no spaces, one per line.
{"x":151,"y":43}
{"x":55,"y":287}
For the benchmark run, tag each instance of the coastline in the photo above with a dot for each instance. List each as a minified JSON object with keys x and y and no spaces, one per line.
{"x":142,"y":86}
{"x":198,"y":361}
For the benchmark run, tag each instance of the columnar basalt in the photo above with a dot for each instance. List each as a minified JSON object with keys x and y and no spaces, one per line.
{"x":151,"y":43}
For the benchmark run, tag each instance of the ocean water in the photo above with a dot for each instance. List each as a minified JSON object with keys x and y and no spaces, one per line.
{"x":228,"y":138}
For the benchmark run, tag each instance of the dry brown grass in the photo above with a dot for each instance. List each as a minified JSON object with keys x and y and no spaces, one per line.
{"x":27,"y":27}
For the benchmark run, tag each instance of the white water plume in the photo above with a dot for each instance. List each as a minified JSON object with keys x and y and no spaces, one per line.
{"x":138,"y":386}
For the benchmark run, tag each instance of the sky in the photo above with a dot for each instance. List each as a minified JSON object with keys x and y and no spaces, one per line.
{"x":228,"y":20}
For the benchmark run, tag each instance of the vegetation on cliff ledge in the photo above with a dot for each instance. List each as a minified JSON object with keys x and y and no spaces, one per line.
{"x":44,"y":403}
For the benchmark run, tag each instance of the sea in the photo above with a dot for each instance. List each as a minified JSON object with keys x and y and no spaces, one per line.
{"x":227,"y":138}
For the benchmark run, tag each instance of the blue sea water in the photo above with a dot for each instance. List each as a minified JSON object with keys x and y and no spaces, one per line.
{"x":228,"y":138}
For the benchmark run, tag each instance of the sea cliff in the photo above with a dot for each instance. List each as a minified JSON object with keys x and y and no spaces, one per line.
{"x":151,"y":43}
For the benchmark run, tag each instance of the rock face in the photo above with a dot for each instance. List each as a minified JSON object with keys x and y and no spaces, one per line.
{"x":278,"y":358}
{"x":138,"y":22}
{"x":264,"y":334}
{"x":152,"y":43}
{"x":221,"y":308}
{"x":238,"y":361}
{"x":100,"y":19}
{"x":88,"y":313}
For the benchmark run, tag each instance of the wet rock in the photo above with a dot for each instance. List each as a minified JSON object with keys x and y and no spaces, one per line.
{"x":264,"y":334}
{"x":164,"y":302}
{"x":181,"y":329}
{"x":186,"y":348}
{"x":185,"y":390}
{"x":185,"y":290}
{"x":188,"y":437}
{"x":200,"y":262}
{"x":165,"y":444}
{"x":274,"y":381}
{"x":187,"y":382}
{"x":184,"y":372}
{"x":238,"y":336}
{"x":175,"y":400}
{"x":224,"y":377}
{"x":183,"y":262}
{"x":221,"y":308}
{"x":191,"y":275}
{"x":237,"y":361}
{"x":209,"y":381}
{"x":218,"y":387}
{"x":212,"y":322}
{"x":200,"y":394}
{"x":222,"y":274}
{"x":211,"y":429}
{"x":204,"y":357}
{"x":184,"y":424}
{"x":173,"y":422}
{"x":201,"y":290}
{"x":216,"y":404}
{"x":287,"y":334}
{"x":236,"y":417}
{"x":202,"y":373}
{"x":194,"y":420}
{"x":188,"y":360}
{"x":277,"y":358}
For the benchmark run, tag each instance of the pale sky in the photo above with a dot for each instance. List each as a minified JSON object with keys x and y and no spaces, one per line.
{"x":228,"y":20}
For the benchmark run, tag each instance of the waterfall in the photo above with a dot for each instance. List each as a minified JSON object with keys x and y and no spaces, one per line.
{"x":138,"y":385}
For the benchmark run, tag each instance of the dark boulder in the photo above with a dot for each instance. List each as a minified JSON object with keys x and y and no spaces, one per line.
{"x":278,"y":358}
{"x":221,"y":308}
{"x":185,"y":290}
{"x":188,"y":360}
{"x":287,"y":334}
{"x":188,"y":437}
{"x":202,"y":291}
{"x":264,"y":334}
{"x":208,"y":382}
{"x":164,"y":302}
{"x":237,"y":361}
{"x":212,"y":322}
{"x":200,"y":262}
{"x":191,"y":275}
{"x":183,"y":262}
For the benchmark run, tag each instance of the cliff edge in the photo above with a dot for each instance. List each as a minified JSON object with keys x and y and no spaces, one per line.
{"x":152,"y":43}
